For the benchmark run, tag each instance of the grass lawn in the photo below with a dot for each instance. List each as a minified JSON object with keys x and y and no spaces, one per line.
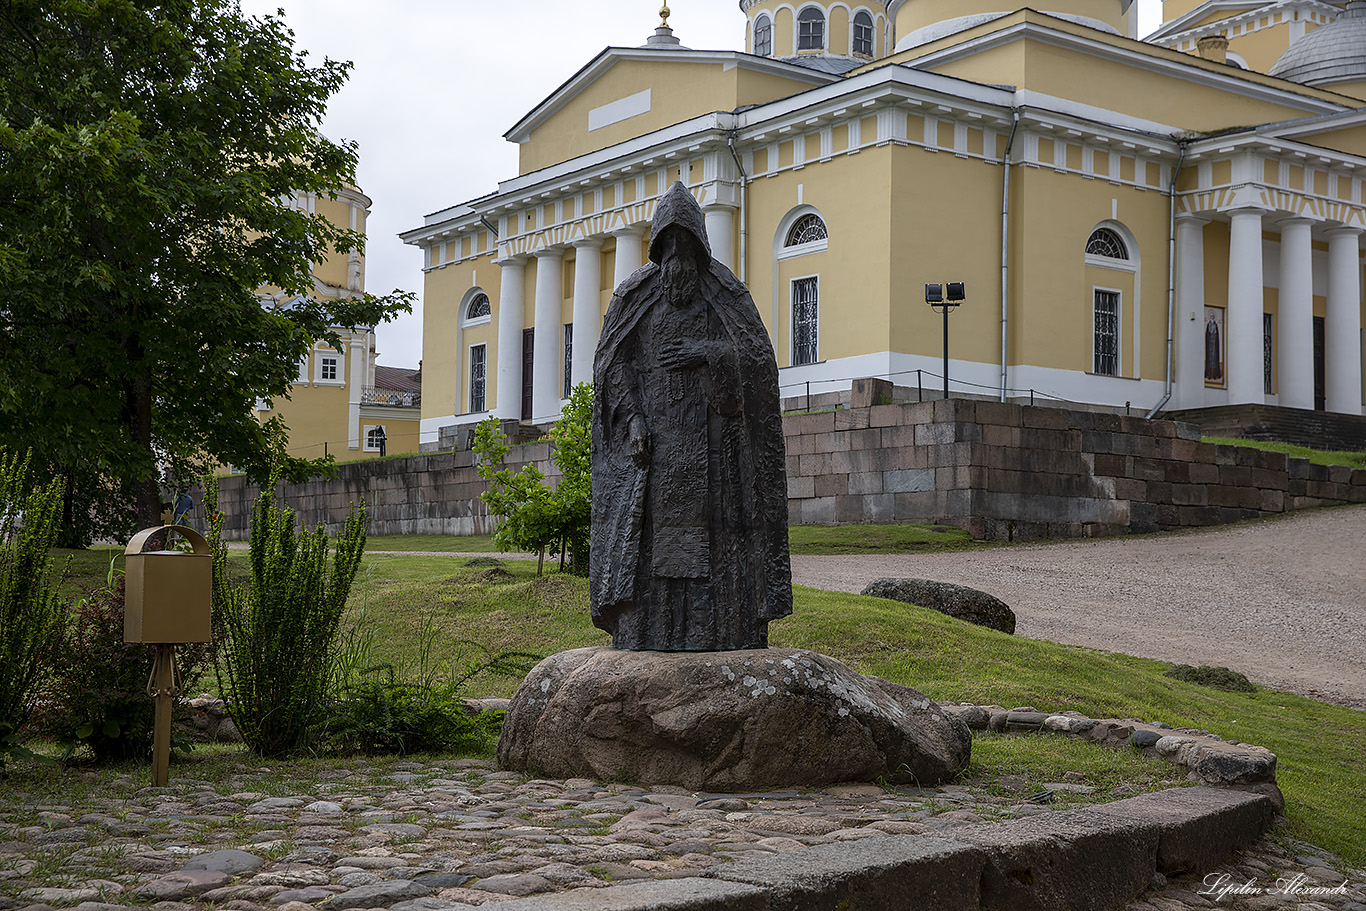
{"x":474,"y":610}
{"x":1322,"y":748}
{"x":1317,"y":456}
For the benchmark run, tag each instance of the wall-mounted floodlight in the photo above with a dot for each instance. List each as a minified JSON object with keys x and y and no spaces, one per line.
{"x":944,"y":298}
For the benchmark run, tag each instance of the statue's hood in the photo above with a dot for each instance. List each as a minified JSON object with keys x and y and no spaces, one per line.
{"x":677,"y":208}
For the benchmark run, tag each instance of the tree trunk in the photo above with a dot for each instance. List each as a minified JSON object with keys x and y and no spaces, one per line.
{"x":147,"y":494}
{"x":540,"y":560}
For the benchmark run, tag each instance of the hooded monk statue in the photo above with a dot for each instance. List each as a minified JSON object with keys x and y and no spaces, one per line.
{"x":689,"y":489}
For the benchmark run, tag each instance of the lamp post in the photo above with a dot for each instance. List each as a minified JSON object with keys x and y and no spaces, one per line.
{"x":944,"y":298}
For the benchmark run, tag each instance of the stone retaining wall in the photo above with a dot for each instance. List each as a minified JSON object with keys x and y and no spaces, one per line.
{"x":1006,"y":471}
{"x":1001,"y":471}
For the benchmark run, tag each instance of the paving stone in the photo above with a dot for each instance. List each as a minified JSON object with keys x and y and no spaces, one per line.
{"x":231,"y":861}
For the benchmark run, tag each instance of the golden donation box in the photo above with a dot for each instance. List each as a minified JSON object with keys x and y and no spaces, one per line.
{"x":167,"y":592}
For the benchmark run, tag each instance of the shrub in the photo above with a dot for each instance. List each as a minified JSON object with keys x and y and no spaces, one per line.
{"x":98,"y":695}
{"x":411,"y":708}
{"x":275,"y":663}
{"x":533,"y":516}
{"x":31,"y":613}
{"x":1220,"y":678}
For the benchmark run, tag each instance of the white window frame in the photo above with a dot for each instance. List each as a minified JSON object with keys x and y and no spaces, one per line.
{"x":806,"y":249}
{"x":320,"y":360}
{"x":825,"y":30}
{"x":792,"y":319}
{"x":466,"y":320}
{"x":484,"y":380}
{"x":369,"y":444}
{"x":303,"y":370}
{"x":872,"y":34}
{"x":1119,"y":330}
{"x":764,"y":20}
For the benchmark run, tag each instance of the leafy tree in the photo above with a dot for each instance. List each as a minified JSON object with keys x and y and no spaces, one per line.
{"x":532,"y":516}
{"x":149,"y":156}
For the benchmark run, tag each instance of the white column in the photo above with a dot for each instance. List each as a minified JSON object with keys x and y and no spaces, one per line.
{"x":1295,"y":320}
{"x":587,"y":308}
{"x":1190,"y":311}
{"x":628,"y":254}
{"x":546,"y":378}
{"x":1342,"y":323}
{"x":511,"y":315}
{"x":721,"y":234}
{"x":1243,"y":352}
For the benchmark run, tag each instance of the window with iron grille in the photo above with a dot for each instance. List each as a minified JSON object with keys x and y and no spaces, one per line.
{"x":805,"y":320}
{"x":479,"y":307}
{"x":1104,"y":242}
{"x":763,"y":36}
{"x":863,"y":34}
{"x":568,"y":359}
{"x":807,"y":229}
{"x":1267,"y":385}
{"x":811,"y":30}
{"x":1106,"y":344}
{"x":477,"y":374}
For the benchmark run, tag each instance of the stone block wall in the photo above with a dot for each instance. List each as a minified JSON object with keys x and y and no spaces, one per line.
{"x":1008,"y":471}
{"x":1001,"y":471}
{"x":432,"y":494}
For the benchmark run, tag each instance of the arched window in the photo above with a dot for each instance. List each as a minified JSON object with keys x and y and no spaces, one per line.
{"x":1105,"y":242}
{"x":763,"y":36}
{"x":863,"y":34}
{"x":805,"y":230}
{"x":811,"y":29}
{"x":479,"y":307}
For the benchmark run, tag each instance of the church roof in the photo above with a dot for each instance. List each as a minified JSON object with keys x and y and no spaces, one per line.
{"x":1330,"y":54}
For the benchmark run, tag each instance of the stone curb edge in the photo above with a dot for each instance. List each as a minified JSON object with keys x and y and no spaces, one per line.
{"x":1088,"y":859}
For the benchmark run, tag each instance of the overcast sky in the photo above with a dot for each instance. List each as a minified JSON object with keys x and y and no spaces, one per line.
{"x":436,"y":83}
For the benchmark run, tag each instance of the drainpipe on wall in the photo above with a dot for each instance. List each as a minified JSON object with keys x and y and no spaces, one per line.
{"x":1005,"y":249}
{"x":744,"y":230}
{"x":1171,"y":281}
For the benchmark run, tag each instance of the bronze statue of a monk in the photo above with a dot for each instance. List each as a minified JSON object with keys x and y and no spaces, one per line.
{"x":689,"y":547}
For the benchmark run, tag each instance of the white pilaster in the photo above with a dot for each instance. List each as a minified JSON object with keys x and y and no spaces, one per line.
{"x":628,"y":257}
{"x":587,"y":308}
{"x":355,"y":379}
{"x":1243,"y":355}
{"x":1342,"y":323}
{"x":1295,"y":321}
{"x":547,"y":380}
{"x":1190,"y":312}
{"x":511,"y":316}
{"x":721,"y":234}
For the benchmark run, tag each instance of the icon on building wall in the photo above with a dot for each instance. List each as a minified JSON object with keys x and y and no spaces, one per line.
{"x":1214,"y":346}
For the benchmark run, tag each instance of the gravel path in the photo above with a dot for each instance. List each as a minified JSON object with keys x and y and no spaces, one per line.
{"x":1283,"y":601}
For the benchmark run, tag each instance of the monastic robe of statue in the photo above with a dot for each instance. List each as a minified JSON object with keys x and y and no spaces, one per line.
{"x":689,"y":521}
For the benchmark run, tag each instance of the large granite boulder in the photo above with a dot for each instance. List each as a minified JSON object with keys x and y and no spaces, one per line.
{"x":725,"y":721}
{"x":957,"y":601}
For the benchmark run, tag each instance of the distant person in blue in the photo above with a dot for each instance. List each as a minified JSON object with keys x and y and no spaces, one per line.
{"x":184,"y":505}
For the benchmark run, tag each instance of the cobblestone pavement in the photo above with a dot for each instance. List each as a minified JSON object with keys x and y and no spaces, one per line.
{"x":457,"y":833}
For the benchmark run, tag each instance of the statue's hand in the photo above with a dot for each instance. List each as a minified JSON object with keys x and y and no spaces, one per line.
{"x":640,"y":443}
{"x":679,"y":354}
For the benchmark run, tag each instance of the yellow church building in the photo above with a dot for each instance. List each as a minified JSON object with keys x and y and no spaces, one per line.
{"x":1170,"y":223}
{"x":343,"y":403}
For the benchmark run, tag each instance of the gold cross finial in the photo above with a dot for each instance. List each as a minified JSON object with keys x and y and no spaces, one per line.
{"x":664,"y":16}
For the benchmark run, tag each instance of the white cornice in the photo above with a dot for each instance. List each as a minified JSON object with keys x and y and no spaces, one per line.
{"x":1186,"y":27}
{"x":609,"y":57}
{"x":1235,"y":81}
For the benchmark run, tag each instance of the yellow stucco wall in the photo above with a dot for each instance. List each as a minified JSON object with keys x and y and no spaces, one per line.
{"x":678,"y":91}
{"x":920,"y":13}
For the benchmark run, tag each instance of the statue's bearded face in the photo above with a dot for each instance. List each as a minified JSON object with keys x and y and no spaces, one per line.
{"x":679,"y":266}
